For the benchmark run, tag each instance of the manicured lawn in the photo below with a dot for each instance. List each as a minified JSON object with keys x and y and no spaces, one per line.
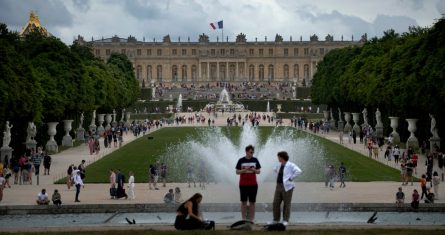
{"x":138,"y":155}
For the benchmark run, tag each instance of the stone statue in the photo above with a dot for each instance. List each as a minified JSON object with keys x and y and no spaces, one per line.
{"x":434,"y":131}
{"x":7,"y":135}
{"x":81,"y":120}
{"x":378,"y":117}
{"x":93,"y":118}
{"x":332,"y":116}
{"x":365,"y":116}
{"x":339,"y":114}
{"x":31,"y":132}
{"x":123,"y":114}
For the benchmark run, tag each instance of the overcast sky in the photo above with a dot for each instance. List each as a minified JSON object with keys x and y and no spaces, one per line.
{"x":189,"y":18}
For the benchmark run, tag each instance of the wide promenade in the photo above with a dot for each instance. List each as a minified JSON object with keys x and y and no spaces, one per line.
{"x":355,"y":192}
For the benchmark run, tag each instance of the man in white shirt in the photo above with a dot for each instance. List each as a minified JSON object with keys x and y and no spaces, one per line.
{"x":286,"y":172}
{"x":42,"y":198}
{"x":78,"y":182}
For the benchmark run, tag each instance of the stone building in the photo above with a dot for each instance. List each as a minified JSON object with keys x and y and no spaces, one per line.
{"x":203,"y":62}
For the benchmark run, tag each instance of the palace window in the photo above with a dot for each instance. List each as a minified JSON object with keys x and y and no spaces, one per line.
{"x":97,"y":52}
{"x":250,"y":51}
{"x":270,"y":73}
{"x":295,"y":51}
{"x":306,"y":51}
{"x":286,"y":72}
{"x":222,"y":52}
{"x":286,"y":52}
{"x":107,"y":52}
{"x":122,"y":51}
{"x":261,"y":72}
{"x":184,"y":51}
{"x":212,"y":52}
{"x":232,"y":51}
{"x":193,"y":51}
{"x":174,"y":52}
{"x":270,"y":51}
{"x":321,"y":51}
{"x":148,"y":51}
{"x":159,"y":52}
{"x":261,"y":51}
{"x":138,"y":52}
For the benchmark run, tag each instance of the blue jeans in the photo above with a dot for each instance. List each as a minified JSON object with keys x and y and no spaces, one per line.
{"x":77,"y":191}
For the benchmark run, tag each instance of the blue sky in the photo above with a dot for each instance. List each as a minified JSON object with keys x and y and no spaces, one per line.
{"x":189,"y":18}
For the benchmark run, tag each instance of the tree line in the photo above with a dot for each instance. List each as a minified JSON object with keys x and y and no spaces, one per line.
{"x":402,"y":75}
{"x":43,"y":80}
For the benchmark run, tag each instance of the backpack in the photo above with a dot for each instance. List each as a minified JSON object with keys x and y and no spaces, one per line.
{"x":275,"y":227}
{"x":241,"y":225}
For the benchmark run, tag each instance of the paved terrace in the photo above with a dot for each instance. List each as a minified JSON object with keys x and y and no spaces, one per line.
{"x":355,"y":192}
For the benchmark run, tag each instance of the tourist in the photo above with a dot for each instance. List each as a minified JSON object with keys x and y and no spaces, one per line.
{"x":120,"y":178}
{"x":409,"y":172}
{"x":248,"y":167}
{"x":2,"y":186}
{"x":286,"y":172}
{"x":340,"y":136}
{"x":69,"y":173}
{"x":332,"y":176}
{"x":414,"y":160}
{"x":400,"y":198}
{"x":153,"y":177}
{"x":169,"y":197}
{"x":190,"y":176}
{"x":78,"y":183}
{"x":375,"y":150}
{"x":415,"y":199}
{"x":187,"y":215}
{"x":96,"y":146}
{"x":423,"y":185}
{"x":202,"y":175}
{"x":429,"y":198}
{"x":354,"y":136}
{"x":131,"y":185}
{"x":396,"y":153}
{"x":342,"y":175}
{"x":436,"y":182}
{"x":113,"y":190}
{"x":56,"y":198}
{"x":82,"y":170}
{"x":91,"y":145}
{"x":350,"y":137}
{"x":163,"y":174}
{"x":403,"y":173}
{"x":42,"y":198}
{"x":46,"y":164}
{"x":178,"y":195}
{"x":326,"y":175}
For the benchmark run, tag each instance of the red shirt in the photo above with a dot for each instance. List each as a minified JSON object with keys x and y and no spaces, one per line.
{"x":246,"y":179}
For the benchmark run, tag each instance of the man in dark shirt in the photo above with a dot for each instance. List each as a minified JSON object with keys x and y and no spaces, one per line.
{"x":247,"y":167}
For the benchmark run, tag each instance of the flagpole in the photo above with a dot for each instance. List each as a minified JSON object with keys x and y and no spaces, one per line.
{"x":222,"y":34}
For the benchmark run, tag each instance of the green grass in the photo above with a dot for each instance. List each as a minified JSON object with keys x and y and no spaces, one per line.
{"x":322,"y":231}
{"x":139,"y":154}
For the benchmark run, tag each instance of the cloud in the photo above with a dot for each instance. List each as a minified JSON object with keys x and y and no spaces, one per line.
{"x":83,"y":5}
{"x":440,"y":5}
{"x":52,"y":13}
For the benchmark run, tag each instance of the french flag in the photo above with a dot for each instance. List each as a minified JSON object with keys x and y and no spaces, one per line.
{"x":217,"y":25}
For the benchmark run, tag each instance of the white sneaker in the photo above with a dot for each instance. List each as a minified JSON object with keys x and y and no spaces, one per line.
{"x":272,"y":222}
{"x":285,"y":223}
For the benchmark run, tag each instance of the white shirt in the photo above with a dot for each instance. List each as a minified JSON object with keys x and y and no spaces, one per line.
{"x":131,"y":181}
{"x":289,"y":173}
{"x":42,"y":197}
{"x":78,"y":180}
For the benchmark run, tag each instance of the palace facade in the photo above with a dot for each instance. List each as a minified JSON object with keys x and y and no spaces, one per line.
{"x":203,"y":62}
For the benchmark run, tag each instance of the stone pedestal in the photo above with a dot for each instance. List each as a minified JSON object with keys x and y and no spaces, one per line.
{"x":332,"y":124}
{"x":80,"y":134}
{"x":340,"y":126}
{"x":100,"y":129}
{"x":170,"y":108}
{"x":356,"y":118}
{"x":434,"y":141}
{"x":348,"y":126}
{"x":127,"y":120}
{"x":279,"y":108}
{"x":67,"y":139}
{"x":31,"y":144}
{"x":51,"y":146}
{"x":394,"y":124}
{"x":108,"y":119}
{"x":6,"y":154}
{"x":412,"y":140}
{"x":379,"y":131}
{"x":326,"y":115}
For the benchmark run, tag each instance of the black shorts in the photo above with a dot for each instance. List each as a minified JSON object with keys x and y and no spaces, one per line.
{"x":248,"y":193}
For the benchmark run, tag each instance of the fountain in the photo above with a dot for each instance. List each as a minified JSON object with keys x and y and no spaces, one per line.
{"x":224,"y":103}
{"x":268,"y":107}
{"x":179,"y":104}
{"x":218,"y":154}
